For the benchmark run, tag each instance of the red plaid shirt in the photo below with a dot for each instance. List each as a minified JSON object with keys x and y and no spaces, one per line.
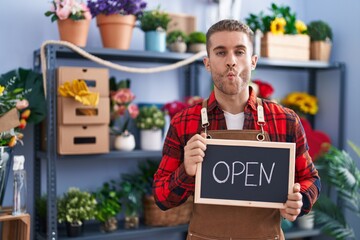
{"x":172,"y":186}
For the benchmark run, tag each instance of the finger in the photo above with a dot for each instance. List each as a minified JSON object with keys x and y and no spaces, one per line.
{"x":295,"y":196}
{"x":296,"y":187}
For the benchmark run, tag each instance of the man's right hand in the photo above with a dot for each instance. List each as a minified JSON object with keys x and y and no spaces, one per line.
{"x":194,"y":153}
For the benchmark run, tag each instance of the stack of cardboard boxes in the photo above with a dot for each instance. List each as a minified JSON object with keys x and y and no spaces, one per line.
{"x":84,"y":129}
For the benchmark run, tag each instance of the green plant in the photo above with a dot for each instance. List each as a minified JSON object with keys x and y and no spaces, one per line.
{"x":154,"y":20}
{"x":280,"y":21}
{"x":108,"y":202}
{"x":176,"y":36}
{"x":131,"y":193}
{"x":76,"y":206}
{"x":319,"y":31}
{"x":197,"y":37}
{"x":150,"y":118}
{"x":340,"y":172}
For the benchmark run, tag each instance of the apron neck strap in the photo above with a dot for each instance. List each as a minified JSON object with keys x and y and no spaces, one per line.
{"x":260,"y":113}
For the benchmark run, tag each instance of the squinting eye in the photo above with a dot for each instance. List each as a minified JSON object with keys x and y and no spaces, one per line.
{"x":220,"y":53}
{"x":240,"y":52}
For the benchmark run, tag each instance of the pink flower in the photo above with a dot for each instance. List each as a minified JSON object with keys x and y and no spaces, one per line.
{"x":123,"y":96}
{"x":119,"y":109}
{"x":133,"y":110}
{"x":63,"y":12}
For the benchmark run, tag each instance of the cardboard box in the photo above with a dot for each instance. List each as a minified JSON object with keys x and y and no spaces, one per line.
{"x":97,"y":79}
{"x":83,"y":139}
{"x":74,"y":112}
{"x":183,"y":22}
{"x":286,"y":47}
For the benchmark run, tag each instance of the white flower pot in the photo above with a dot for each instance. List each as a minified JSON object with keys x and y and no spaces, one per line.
{"x":151,"y":139}
{"x":306,"y":222}
{"x":125,"y":142}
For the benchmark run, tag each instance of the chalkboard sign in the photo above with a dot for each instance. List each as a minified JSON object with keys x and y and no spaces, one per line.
{"x":245,"y":173}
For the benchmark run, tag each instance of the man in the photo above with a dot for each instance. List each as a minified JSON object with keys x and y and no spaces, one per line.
{"x":232,"y":105}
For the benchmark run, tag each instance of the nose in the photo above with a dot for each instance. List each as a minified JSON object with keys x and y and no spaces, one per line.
{"x":231,"y":61}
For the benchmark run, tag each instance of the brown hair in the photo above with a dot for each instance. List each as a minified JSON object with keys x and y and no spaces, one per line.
{"x":230,"y":26}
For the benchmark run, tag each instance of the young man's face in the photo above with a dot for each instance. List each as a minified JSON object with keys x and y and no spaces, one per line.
{"x":230,"y":61}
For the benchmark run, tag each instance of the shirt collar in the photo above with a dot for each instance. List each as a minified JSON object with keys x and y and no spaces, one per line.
{"x":212,"y":103}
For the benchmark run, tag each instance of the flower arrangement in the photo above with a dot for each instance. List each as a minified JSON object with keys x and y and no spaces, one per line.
{"x":68,"y":9}
{"x":21,"y":92}
{"x":154,"y":20}
{"x":264,"y":89}
{"x":76,"y":206}
{"x":301,"y":103}
{"x":123,"y":7}
{"x":150,"y":118}
{"x":121,"y":104}
{"x":280,"y":21}
{"x":174,"y":107}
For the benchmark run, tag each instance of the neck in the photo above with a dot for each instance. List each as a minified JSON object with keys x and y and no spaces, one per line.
{"x":233,"y":104}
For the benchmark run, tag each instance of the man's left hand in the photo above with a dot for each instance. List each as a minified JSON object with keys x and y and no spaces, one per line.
{"x":293,"y":204}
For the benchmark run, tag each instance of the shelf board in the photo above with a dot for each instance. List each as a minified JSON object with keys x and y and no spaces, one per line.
{"x":92,"y":232}
{"x":171,"y":57}
{"x":135,"y":154}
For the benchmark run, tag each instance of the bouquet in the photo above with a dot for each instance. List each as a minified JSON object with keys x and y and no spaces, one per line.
{"x":123,"y":7}
{"x":72,"y":9}
{"x":301,"y":102}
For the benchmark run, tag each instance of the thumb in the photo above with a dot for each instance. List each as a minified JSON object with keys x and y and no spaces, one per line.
{"x":296,"y":187}
{"x":203,"y":134}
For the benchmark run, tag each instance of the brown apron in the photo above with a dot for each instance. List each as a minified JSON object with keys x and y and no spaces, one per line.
{"x":215,"y":222}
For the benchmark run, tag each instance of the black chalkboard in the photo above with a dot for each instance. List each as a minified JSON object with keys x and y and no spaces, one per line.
{"x":245,"y":173}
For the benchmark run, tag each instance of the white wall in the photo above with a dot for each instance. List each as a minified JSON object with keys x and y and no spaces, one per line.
{"x":29,"y":27}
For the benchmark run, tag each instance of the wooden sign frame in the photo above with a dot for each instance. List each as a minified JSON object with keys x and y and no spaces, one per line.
{"x":259,"y":146}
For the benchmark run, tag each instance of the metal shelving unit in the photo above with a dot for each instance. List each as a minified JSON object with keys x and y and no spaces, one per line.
{"x":54,"y":53}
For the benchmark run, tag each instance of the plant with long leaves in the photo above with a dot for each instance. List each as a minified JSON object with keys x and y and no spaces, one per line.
{"x":339,"y":171}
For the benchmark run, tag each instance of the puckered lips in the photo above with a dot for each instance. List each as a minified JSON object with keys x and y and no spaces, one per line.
{"x":231,"y":75}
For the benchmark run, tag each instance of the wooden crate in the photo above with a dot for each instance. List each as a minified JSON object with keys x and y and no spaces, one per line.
{"x":183,"y":22}
{"x":14,"y":227}
{"x":286,"y":47}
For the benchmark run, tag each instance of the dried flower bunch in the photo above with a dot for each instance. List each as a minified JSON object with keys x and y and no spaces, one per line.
{"x":64,"y":9}
{"x":280,"y":21}
{"x":301,"y":103}
{"x":123,"y":7}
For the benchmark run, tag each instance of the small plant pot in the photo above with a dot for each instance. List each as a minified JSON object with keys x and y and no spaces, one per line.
{"x":178,"y":47}
{"x":306,"y":222}
{"x":131,"y":221}
{"x":110,"y":225}
{"x":74,"y":230}
{"x":125,"y":142}
{"x":155,"y":41}
{"x":197,"y":47}
{"x":151,"y":139}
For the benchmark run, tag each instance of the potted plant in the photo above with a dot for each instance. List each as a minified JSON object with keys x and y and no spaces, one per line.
{"x":73,"y":18}
{"x":116,"y":20}
{"x":41,"y":211}
{"x":108,"y":206}
{"x":150,"y":121}
{"x":280,"y":34}
{"x":176,"y":41}
{"x":131,"y":191}
{"x":154,"y":23}
{"x":74,"y":208}
{"x":197,"y":42}
{"x":321,"y":40}
{"x":339,"y":171}
{"x":122,"y":111}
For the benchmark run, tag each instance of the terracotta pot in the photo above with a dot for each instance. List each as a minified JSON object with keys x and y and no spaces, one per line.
{"x":75,"y":32}
{"x":116,"y":30}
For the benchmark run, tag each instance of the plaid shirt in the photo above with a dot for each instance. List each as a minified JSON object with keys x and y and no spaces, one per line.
{"x":172,"y":186}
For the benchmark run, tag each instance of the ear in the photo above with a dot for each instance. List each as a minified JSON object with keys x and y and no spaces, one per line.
{"x":206,"y":62}
{"x":254,"y":60}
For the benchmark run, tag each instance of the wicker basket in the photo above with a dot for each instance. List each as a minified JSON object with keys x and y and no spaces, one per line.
{"x":154,"y":216}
